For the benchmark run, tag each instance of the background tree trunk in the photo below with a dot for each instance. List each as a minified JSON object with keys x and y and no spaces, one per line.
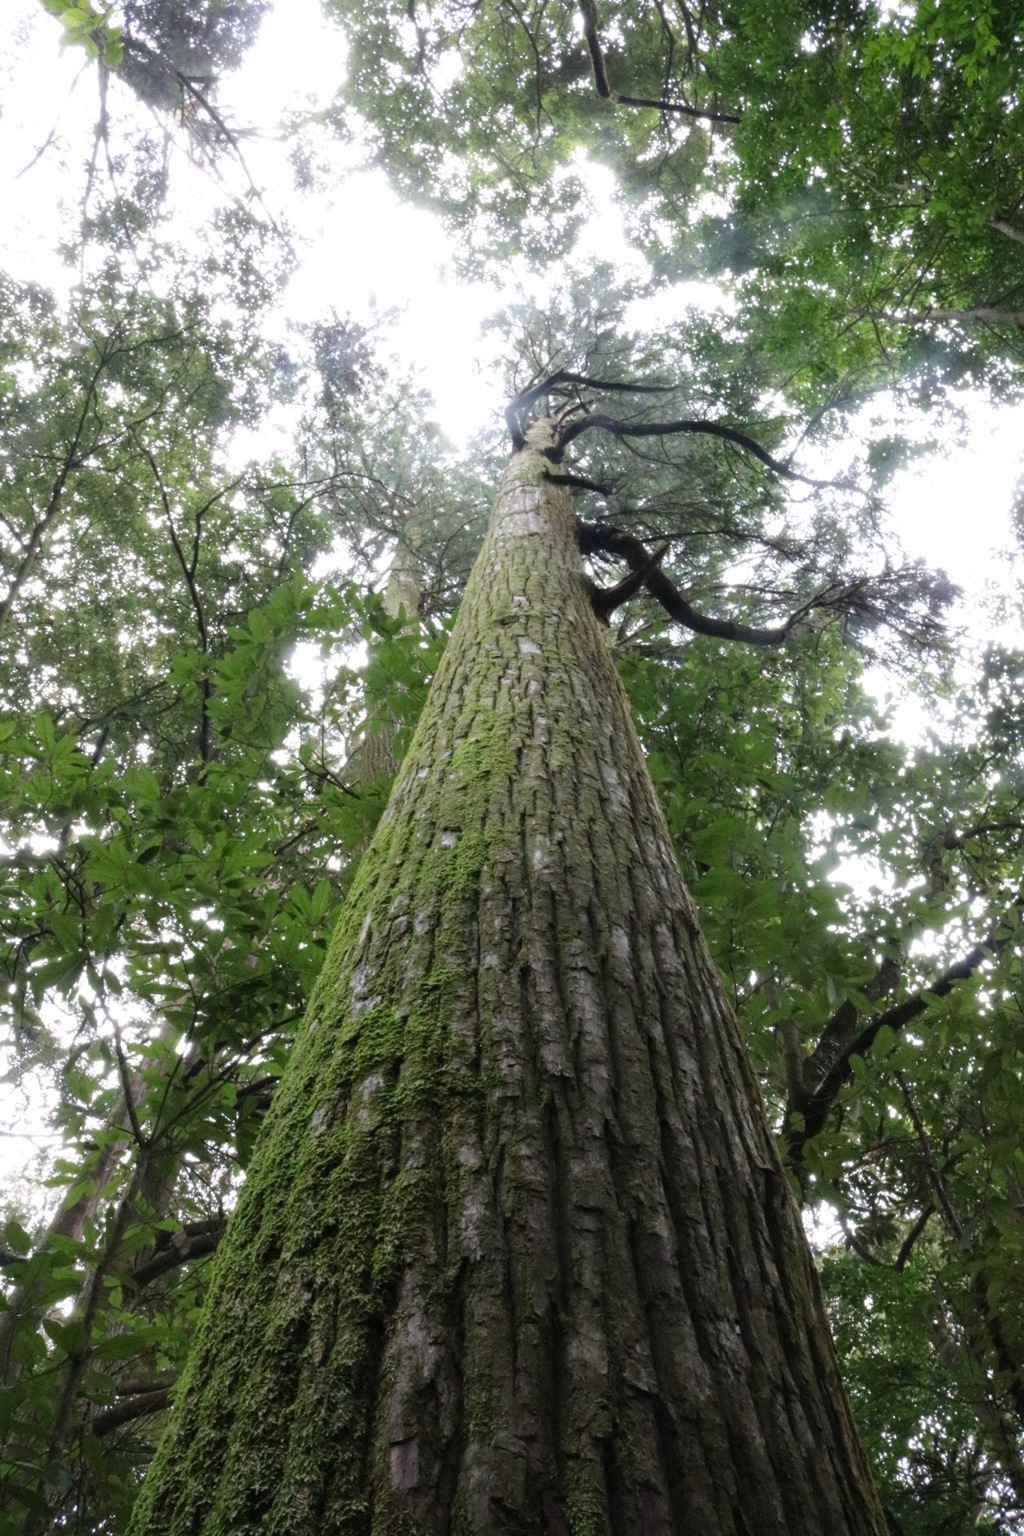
{"x":517,"y":1252}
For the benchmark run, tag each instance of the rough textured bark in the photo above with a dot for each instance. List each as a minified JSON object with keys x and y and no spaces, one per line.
{"x":517,"y":1253}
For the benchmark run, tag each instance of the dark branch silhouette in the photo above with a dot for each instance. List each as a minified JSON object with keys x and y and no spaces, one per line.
{"x":599,"y":536}
{"x":604,"y":601}
{"x":607,"y":91}
{"x":828,"y":1067}
{"x":138,"y":1406}
{"x":616,"y":428}
{"x":565,"y":385}
{"x":840,"y":598}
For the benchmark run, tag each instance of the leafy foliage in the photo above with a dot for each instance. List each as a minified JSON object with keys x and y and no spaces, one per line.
{"x":182,"y":812}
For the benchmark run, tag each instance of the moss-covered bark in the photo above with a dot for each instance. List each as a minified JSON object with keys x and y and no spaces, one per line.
{"x":517,"y":1253}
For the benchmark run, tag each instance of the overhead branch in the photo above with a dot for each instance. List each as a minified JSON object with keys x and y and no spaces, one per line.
{"x":181,"y":1250}
{"x":848,"y":1033}
{"x":862,"y":598}
{"x":593,"y":537}
{"x":190,"y":88}
{"x":838,"y":598}
{"x":74,"y":458}
{"x":127,"y":1088}
{"x":912,"y":1237}
{"x":982,"y":315}
{"x":1009,"y":230}
{"x":604,"y":601}
{"x":607,"y":92}
{"x":139,"y":1406}
{"x":581,"y":483}
{"x":565,"y":385}
{"x":188,"y":570}
{"x":611,"y":424}
{"x":936,"y":1176}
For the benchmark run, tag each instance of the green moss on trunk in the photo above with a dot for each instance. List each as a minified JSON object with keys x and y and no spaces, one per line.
{"x":516,"y":1252}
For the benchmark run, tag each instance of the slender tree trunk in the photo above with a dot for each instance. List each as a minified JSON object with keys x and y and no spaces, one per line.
{"x":517,"y":1253}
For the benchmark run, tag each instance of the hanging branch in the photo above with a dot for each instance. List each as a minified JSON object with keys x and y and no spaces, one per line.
{"x":607,"y":92}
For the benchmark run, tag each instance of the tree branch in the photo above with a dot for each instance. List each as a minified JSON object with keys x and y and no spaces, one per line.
{"x":73,"y":459}
{"x":127,"y":1088}
{"x":599,"y":536}
{"x":564,"y":383}
{"x":182,"y":1250}
{"x":188,"y":570}
{"x":139,"y":1406}
{"x":190,"y":87}
{"x":935,"y":1177}
{"x":605,"y":601}
{"x":1009,"y":230}
{"x":827,"y":1069}
{"x":982,"y":314}
{"x":916,"y":1231}
{"x":618,"y":428}
{"x":608,"y":93}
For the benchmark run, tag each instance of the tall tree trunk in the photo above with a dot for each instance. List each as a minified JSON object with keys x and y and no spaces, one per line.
{"x":517,"y":1253}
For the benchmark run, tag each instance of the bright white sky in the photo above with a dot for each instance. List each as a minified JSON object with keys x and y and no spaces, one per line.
{"x":364,"y":252}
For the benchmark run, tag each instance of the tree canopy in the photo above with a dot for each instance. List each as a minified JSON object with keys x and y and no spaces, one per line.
{"x":184,"y":806}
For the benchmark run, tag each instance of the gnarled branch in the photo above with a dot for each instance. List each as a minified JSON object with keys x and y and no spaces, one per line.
{"x":599,"y":536}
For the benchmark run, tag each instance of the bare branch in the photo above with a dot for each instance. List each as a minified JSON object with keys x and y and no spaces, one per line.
{"x":564,"y":384}
{"x":604,"y":602}
{"x":836,"y":597}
